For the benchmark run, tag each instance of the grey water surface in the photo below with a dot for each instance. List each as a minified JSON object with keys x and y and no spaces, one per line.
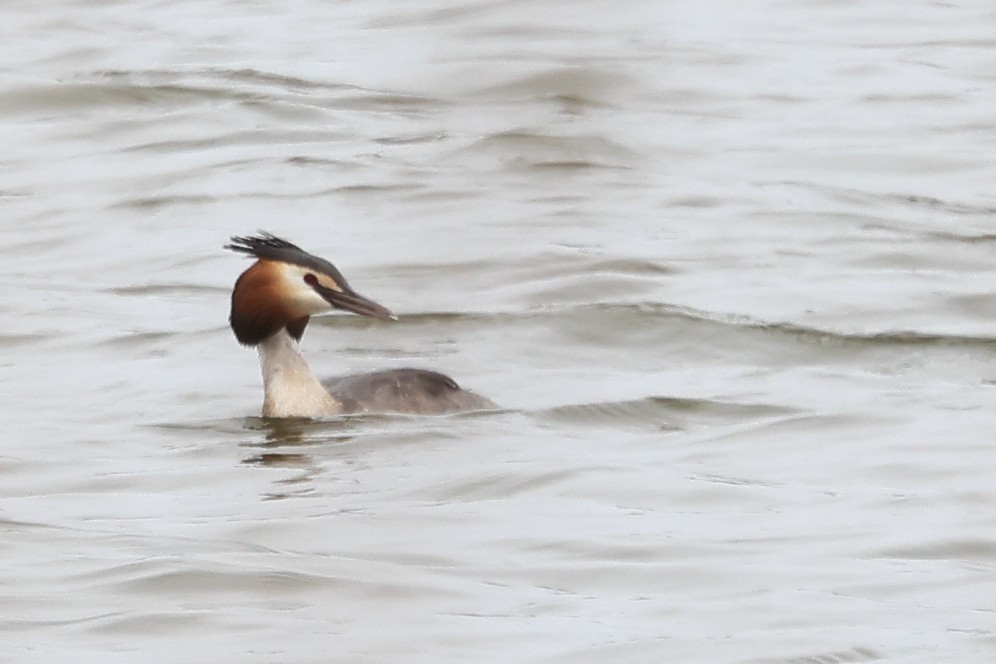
{"x":728,"y":267}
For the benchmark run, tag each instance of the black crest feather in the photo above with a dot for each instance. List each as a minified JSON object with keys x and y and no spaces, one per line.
{"x":264,"y":245}
{"x":267,"y":246}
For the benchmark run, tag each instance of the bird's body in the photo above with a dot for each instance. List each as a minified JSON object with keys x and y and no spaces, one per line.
{"x":417,"y":391}
{"x":271,"y":304}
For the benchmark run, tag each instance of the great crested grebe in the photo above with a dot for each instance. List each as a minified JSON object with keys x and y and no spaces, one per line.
{"x":271,"y":305}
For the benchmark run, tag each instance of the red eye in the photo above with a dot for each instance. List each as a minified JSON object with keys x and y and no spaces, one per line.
{"x":311,"y":280}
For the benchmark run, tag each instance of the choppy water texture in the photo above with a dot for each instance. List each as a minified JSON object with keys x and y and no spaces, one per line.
{"x":727,"y":266}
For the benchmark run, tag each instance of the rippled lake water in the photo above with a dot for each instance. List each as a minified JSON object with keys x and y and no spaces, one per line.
{"x":728,"y":267}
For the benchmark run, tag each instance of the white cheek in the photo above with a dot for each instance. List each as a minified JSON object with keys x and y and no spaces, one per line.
{"x":300,"y":296}
{"x":309,"y":302}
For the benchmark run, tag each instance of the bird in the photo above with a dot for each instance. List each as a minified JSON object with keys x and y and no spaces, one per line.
{"x":272,"y":302}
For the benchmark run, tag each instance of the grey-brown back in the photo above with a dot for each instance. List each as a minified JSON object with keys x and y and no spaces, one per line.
{"x":414,"y":391}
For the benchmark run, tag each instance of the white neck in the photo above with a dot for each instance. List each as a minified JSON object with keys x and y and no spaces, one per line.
{"x":289,"y":387}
